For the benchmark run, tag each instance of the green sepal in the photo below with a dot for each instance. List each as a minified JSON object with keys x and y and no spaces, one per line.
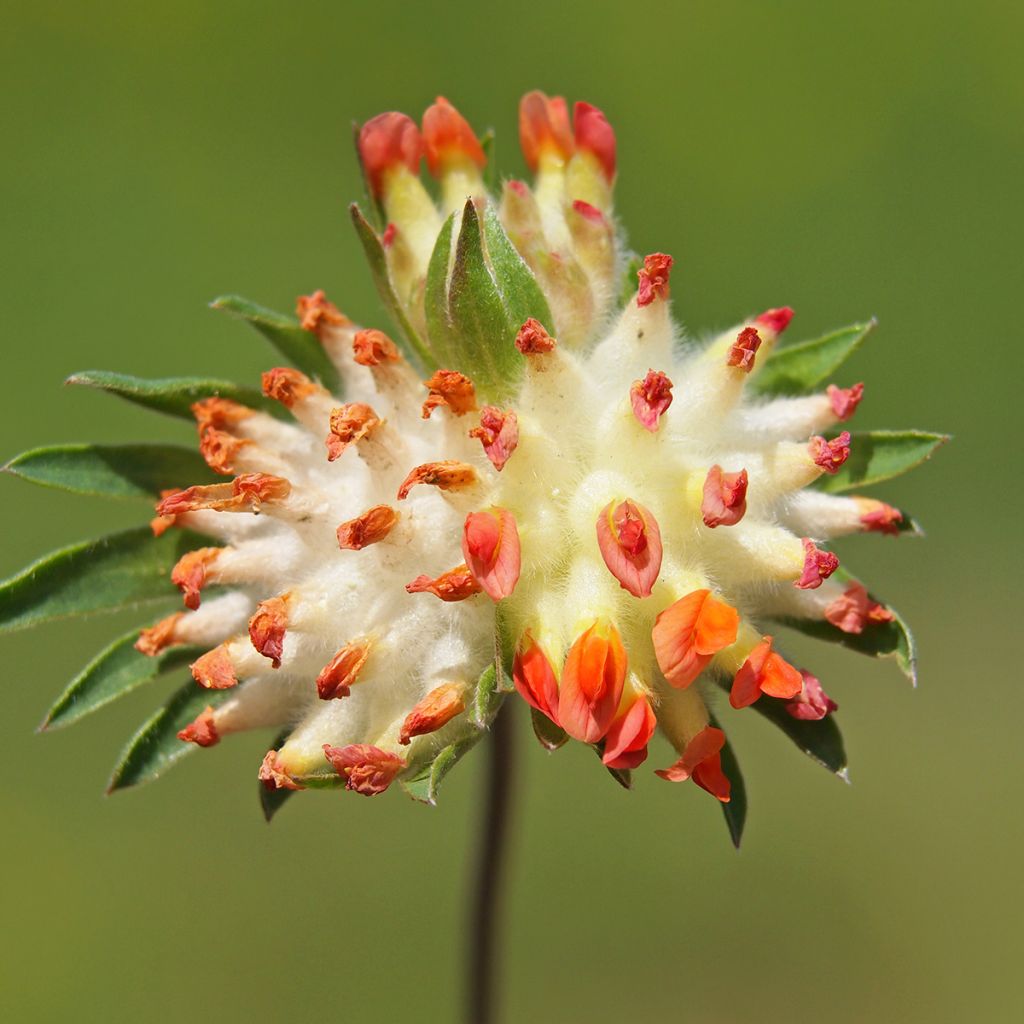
{"x":174,"y":396}
{"x":795,"y":369}
{"x":820,"y":740}
{"x":272,"y":800}
{"x":409,"y":337}
{"x":549,"y":735}
{"x":300,"y":347}
{"x":474,"y":311}
{"x":878,"y":455}
{"x":735,"y":811}
{"x":117,"y":571}
{"x":112,"y":471}
{"x":114,"y":672}
{"x":156,"y":747}
{"x":429,"y":763}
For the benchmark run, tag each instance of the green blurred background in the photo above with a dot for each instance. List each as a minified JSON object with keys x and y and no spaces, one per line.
{"x":847,"y":160}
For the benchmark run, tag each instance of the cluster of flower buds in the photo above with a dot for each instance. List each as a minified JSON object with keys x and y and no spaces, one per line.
{"x":532,"y":458}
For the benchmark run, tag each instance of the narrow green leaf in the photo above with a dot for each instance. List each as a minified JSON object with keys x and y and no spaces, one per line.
{"x":735,"y":811}
{"x":301,"y":348}
{"x":879,"y":455}
{"x":487,"y":699}
{"x":423,"y":786}
{"x":821,"y":741}
{"x":272,"y":800}
{"x":879,"y":640}
{"x":156,"y":747}
{"x":413,"y":344}
{"x":113,"y":471}
{"x":549,"y":735}
{"x":794,"y":369}
{"x":111,"y":674}
{"x":435,"y":299}
{"x":174,"y":396}
{"x":627,"y":290}
{"x":117,"y":571}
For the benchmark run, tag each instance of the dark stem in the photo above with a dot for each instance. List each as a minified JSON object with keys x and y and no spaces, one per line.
{"x":485,"y":912}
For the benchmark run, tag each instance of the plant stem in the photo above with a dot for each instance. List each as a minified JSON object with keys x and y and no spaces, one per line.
{"x":485,"y":911}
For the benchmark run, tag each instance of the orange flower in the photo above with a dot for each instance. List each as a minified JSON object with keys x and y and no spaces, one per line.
{"x":702,"y":762}
{"x":490,"y":544}
{"x":592,"y":681}
{"x":764,"y":671}
{"x":630,"y":543}
{"x":689,"y":633}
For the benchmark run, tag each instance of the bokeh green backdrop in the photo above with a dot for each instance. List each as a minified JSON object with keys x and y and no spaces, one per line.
{"x":845,"y":159}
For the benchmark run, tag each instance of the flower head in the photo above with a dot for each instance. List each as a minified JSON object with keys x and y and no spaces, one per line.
{"x":527,"y":463}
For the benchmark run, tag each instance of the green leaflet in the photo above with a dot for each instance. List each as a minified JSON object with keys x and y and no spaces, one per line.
{"x":174,"y":396}
{"x":378,"y":264}
{"x":879,"y":455}
{"x":272,"y":800}
{"x":111,"y":674}
{"x":475,"y":310}
{"x":549,"y":735}
{"x":156,"y":747}
{"x":880,"y":640}
{"x":113,"y":471}
{"x":301,"y":348}
{"x":735,"y":811}
{"x":428,"y":766}
{"x":821,"y":741}
{"x":116,"y":571}
{"x":794,"y":369}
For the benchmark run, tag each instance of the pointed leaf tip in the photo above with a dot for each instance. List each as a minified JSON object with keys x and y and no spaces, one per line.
{"x":795,"y":369}
{"x":879,"y":455}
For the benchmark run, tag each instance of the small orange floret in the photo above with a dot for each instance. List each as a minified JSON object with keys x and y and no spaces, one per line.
{"x":844,"y":401}
{"x":369,"y":528}
{"x":595,"y":135}
{"x":855,"y":610}
{"x":818,"y":566}
{"x":592,"y":680}
{"x":215,"y":669}
{"x":349,"y":423}
{"x":202,"y":731}
{"x":339,"y":675}
{"x":775,"y":320}
{"x":454,"y":585}
{"x":221,"y":413}
{"x":451,"y":389}
{"x":702,"y":762}
{"x":220,"y":449}
{"x":387,"y":142}
{"x":498,"y":433}
{"x":437,"y":709}
{"x":159,"y":637}
{"x":879,"y":517}
{"x":366,"y":769}
{"x":725,"y":498}
{"x":650,"y":398}
{"x":544,"y":129}
{"x":533,"y":340}
{"x":490,"y":545}
{"x":744,"y":349}
{"x":764,"y":671}
{"x":267,"y":627}
{"x":273,"y":776}
{"x":245,"y":493}
{"x":160,"y":524}
{"x":288,"y":386}
{"x":315,"y":312}
{"x":653,"y":278}
{"x":371,"y":347}
{"x":830,"y":455}
{"x":625,"y":745}
{"x":448,"y":138}
{"x":534,"y":677}
{"x":192,"y":572}
{"x":251,"y":490}
{"x":689,"y":633}
{"x":448,"y":475}
{"x":629,"y":539}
